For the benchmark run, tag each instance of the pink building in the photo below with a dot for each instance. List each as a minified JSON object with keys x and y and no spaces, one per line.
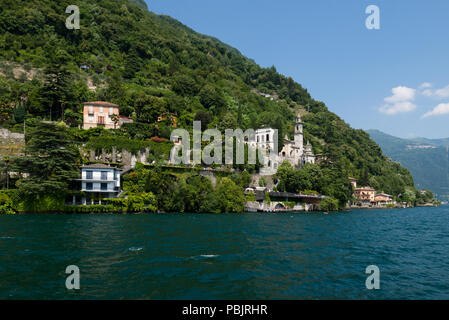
{"x":99,"y":113}
{"x":365,"y":194}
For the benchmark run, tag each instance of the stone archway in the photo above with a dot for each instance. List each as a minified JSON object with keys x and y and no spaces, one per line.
{"x":279,"y":206}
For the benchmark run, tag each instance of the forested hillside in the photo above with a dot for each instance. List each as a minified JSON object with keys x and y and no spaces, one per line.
{"x":427,"y":159}
{"x":151,"y":64}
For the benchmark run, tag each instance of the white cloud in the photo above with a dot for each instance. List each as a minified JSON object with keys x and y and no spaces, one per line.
{"x":400,"y":101}
{"x":442,"y":108}
{"x":425,"y":85}
{"x":439,"y":93}
{"x":443,"y":92}
{"x":398,"y":107}
{"x":401,"y":94}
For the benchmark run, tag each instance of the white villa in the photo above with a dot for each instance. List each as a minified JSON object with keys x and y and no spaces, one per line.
{"x":264,"y":139}
{"x":293,"y":151}
{"x":99,"y":181}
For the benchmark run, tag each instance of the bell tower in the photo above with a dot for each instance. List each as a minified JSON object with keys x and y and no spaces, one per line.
{"x":299,"y":136}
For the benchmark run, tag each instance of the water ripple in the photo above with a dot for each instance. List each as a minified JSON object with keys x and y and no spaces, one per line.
{"x":251,"y":256}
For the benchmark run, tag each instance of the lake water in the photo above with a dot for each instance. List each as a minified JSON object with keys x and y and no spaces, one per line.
{"x":229,"y":256}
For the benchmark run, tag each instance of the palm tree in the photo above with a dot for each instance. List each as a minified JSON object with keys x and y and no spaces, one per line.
{"x":115,"y":118}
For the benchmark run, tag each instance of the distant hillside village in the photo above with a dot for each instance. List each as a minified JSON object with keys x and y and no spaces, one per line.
{"x":100,"y":180}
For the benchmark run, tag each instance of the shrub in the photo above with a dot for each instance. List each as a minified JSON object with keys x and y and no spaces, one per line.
{"x":310,"y":192}
{"x":135,"y":204}
{"x":329,"y":204}
{"x":6,"y":204}
{"x":143,"y":202}
{"x":108,"y":142}
{"x":15,"y":197}
{"x":250,"y":197}
{"x":44,"y":204}
{"x":118,"y":205}
{"x":289,"y":204}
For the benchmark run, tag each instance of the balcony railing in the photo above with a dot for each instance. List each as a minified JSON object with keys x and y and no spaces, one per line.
{"x":97,"y":180}
{"x":100,"y":190}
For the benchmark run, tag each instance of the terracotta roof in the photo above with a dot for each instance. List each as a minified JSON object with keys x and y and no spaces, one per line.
{"x":382,"y":194}
{"x":101,"y":103}
{"x":158,"y":139}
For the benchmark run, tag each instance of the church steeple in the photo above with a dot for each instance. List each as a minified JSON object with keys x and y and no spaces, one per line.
{"x":298,"y":124}
{"x":299,"y":137}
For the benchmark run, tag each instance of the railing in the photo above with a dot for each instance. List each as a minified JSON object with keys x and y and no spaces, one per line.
{"x":99,"y":190}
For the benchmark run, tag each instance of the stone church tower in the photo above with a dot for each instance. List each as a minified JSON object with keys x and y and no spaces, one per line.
{"x":299,"y":135}
{"x":293,"y":151}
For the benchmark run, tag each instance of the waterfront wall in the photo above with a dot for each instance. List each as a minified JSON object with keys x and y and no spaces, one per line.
{"x":277,"y":206}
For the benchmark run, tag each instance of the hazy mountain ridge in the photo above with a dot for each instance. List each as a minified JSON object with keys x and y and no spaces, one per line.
{"x":442,"y":142}
{"x":435,"y":142}
{"x":427,"y":159}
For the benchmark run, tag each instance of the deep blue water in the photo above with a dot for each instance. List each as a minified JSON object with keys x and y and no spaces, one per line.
{"x":248,"y":256}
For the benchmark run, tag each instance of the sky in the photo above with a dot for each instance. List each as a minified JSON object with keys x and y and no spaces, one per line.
{"x":394,"y":79}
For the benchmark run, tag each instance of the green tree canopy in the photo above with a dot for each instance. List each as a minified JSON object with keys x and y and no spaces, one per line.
{"x":50,"y":163}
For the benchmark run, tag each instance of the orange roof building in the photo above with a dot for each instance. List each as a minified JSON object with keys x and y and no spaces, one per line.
{"x":99,"y":114}
{"x":365,"y":194}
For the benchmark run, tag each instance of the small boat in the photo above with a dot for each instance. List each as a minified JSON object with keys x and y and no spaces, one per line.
{"x":326,"y":213}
